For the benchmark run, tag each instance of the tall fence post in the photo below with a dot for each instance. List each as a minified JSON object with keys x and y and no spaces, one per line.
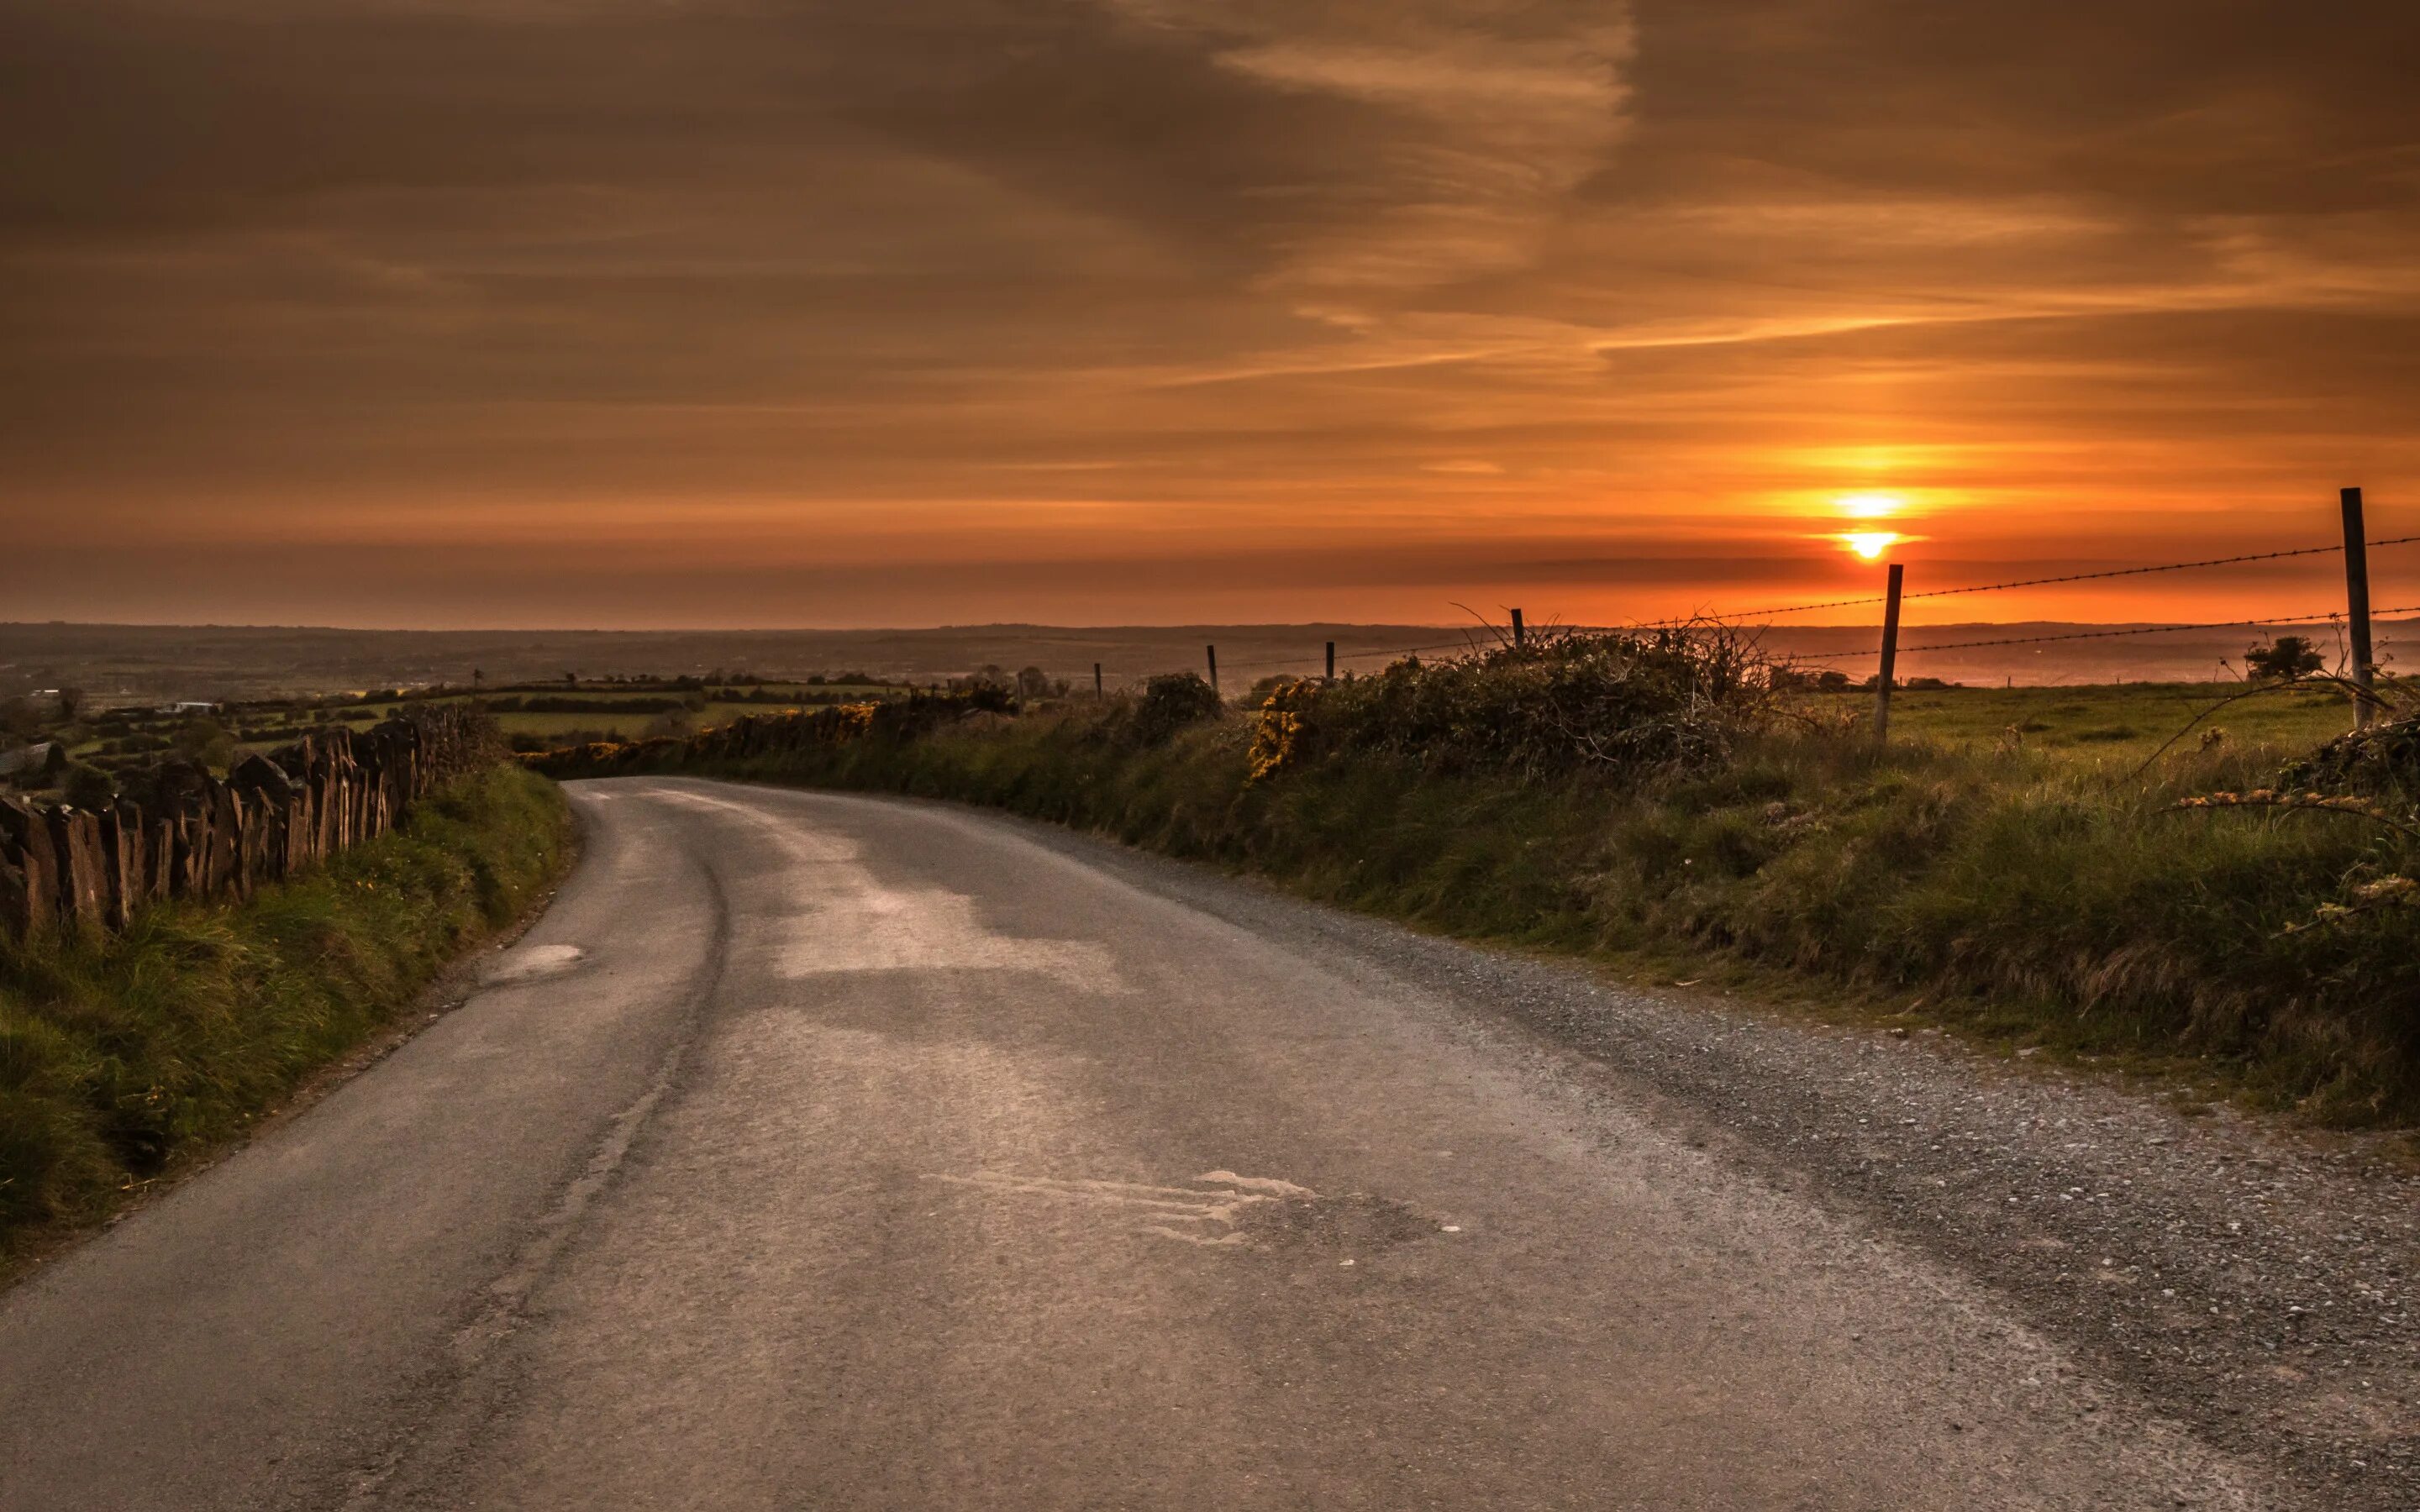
{"x":1213,"y":652}
{"x":1331,"y":661}
{"x":2356,"y":554}
{"x":1890,"y":658}
{"x":1520,"y":633}
{"x":1096,"y":681}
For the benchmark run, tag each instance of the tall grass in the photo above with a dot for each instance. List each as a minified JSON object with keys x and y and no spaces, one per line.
{"x":120,"y":1055}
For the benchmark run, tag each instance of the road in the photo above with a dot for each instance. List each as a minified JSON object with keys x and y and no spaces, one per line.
{"x":826,"y":1151}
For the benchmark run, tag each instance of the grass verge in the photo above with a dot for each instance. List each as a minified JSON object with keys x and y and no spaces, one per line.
{"x":121,"y":1057}
{"x":2018,"y":897}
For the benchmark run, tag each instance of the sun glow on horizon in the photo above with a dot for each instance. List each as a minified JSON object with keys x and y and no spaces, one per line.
{"x":1870,"y":545}
{"x":1869,"y":505}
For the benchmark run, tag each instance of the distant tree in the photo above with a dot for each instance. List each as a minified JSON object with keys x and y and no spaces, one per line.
{"x":570,"y":679}
{"x":207,"y":743}
{"x":88,"y":787}
{"x":1032,"y":683}
{"x":71,"y":702}
{"x":2283,"y":660}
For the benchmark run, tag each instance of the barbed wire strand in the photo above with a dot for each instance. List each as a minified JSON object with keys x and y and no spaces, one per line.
{"x":1317,"y":659}
{"x":2098,"y":635}
{"x":2041,"y":583}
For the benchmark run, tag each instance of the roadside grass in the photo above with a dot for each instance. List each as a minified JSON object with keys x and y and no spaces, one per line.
{"x":121,"y":1057}
{"x":2026,"y":898}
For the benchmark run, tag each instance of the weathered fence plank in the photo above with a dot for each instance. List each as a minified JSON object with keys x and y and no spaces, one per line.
{"x":273,"y":817}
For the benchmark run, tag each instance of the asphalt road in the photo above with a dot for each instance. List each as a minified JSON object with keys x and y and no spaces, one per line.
{"x":821,"y":1151}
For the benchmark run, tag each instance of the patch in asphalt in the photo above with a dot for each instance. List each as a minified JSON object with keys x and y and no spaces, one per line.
{"x":534,"y":962}
{"x":1223,"y":1209}
{"x":1353,"y":1225}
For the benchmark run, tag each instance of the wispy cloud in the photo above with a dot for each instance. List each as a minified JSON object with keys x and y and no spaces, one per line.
{"x":1489,"y":114}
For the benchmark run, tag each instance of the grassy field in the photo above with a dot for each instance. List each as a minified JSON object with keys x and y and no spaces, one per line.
{"x":2118,"y":725}
{"x":2035,"y":895}
{"x":121,"y":1057}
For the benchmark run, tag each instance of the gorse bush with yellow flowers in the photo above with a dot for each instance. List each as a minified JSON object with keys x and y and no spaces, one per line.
{"x":1661,"y":800}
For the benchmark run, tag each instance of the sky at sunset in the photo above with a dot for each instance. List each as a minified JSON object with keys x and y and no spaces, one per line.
{"x":659,"y":313}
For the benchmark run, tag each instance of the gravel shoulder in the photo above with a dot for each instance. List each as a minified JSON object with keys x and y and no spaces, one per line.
{"x":2254,"y":1282}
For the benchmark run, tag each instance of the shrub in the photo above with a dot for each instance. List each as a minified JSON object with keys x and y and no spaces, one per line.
{"x":2383,"y":759}
{"x":1282,"y":733}
{"x":1629,"y":703}
{"x":2286,"y":659}
{"x":1167,"y":704}
{"x":88,"y":787}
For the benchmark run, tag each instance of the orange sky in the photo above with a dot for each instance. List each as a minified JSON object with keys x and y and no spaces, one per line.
{"x":750,"y":313}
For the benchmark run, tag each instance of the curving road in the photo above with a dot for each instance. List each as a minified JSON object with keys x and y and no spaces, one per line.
{"x":823,"y":1152}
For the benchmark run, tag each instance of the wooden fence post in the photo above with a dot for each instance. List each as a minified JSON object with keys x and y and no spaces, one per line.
{"x":1520,"y":633}
{"x":1331,"y":661}
{"x":1096,"y":681}
{"x":1890,"y":658}
{"x":1213,"y":667}
{"x":2356,"y":551}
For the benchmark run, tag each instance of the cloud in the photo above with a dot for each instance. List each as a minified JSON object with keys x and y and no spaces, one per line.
{"x":1191,"y":273}
{"x":1494,"y":112}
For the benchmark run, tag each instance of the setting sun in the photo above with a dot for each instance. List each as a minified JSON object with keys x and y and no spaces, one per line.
{"x":1870,"y":544}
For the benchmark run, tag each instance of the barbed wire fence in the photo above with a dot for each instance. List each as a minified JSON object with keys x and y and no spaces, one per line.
{"x":2355,"y":617}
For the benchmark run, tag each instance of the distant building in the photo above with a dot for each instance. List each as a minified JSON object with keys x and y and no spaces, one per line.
{"x":189,"y":706}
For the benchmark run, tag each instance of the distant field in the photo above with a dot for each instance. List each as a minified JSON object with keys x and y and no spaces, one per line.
{"x":630,"y":725}
{"x":2125,"y":722}
{"x":617,"y":713}
{"x":2112,"y":725}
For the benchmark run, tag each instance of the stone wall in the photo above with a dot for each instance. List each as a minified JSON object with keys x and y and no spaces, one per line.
{"x":64,"y":870}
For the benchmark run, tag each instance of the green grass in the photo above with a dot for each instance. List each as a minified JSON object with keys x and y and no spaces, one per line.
{"x":2034,"y":895}
{"x":2119,"y":724}
{"x":120,"y":1056}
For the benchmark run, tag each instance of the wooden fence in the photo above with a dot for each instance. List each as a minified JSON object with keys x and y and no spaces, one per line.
{"x":64,"y":869}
